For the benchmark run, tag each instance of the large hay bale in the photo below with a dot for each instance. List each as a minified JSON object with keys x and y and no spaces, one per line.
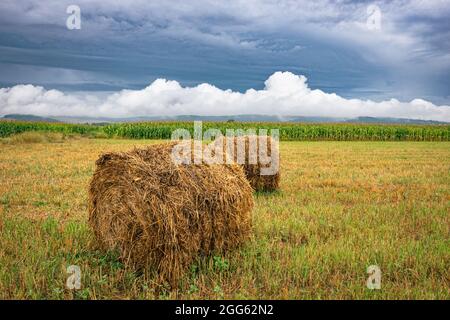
{"x":255,"y":164}
{"x":163,"y":215}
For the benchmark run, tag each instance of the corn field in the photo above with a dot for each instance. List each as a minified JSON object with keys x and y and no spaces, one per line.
{"x":288,"y":131}
{"x":293,"y":132}
{"x":8,"y":128}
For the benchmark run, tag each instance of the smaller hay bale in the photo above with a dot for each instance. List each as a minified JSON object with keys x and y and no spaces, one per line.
{"x":259,"y":156}
{"x":163,"y":215}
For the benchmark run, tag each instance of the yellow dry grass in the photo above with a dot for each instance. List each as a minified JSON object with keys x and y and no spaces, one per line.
{"x":342,"y":206}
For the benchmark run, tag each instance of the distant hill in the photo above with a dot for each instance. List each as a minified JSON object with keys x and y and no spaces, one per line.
{"x":225,"y":118}
{"x":393,"y":120}
{"x":29,"y":117}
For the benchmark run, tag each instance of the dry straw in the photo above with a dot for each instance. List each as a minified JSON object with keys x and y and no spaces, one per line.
{"x":252,"y":162}
{"x":163,"y":215}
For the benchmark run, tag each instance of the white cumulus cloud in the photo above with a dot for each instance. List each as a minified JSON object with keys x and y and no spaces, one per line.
{"x":284,"y":94}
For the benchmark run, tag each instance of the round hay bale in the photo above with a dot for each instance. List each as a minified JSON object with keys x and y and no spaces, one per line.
{"x":256,"y":167}
{"x":163,"y":215}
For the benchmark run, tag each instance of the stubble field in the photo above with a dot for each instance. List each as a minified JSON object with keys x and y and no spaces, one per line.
{"x":342,"y":207}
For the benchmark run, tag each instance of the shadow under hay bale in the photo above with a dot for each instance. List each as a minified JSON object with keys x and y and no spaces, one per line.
{"x":260,"y":162}
{"x":161,"y":215}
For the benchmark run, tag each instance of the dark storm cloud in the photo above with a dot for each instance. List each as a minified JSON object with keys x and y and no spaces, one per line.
{"x":234,"y":45}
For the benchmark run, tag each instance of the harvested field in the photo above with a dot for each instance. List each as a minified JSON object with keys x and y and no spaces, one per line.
{"x":341,"y":207}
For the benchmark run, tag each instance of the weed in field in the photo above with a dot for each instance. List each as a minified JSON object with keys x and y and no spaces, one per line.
{"x":220,"y":264}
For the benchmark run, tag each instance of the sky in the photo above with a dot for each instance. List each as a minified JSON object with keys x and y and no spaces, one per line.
{"x":306,"y":58}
